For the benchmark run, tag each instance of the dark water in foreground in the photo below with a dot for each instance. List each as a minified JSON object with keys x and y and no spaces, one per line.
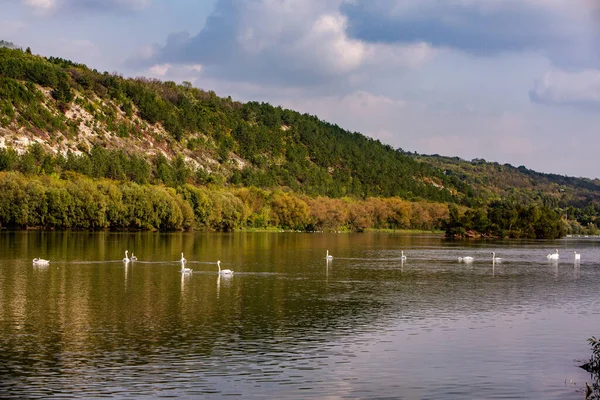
{"x":288,"y":324}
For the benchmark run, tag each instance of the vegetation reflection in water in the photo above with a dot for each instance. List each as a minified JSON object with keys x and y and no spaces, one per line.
{"x":364,"y":324}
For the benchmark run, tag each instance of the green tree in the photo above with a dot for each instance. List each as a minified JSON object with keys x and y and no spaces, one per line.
{"x":289,"y":212}
{"x":62,"y":93}
{"x":453,"y":225}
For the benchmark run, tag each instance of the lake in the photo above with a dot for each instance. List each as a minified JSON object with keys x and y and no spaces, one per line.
{"x":289,"y":324}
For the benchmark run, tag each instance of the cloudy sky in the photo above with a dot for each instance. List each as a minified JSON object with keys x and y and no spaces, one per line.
{"x":512,"y":81}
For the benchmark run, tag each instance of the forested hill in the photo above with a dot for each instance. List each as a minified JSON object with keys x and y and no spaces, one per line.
{"x":58,"y":118}
{"x":67,"y":106}
{"x":491,"y":180}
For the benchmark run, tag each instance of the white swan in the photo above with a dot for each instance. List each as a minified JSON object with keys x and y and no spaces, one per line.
{"x":223,"y":271}
{"x":126,"y":259}
{"x":553,"y":256}
{"x":133,"y":258}
{"x":183,"y":260}
{"x":402,"y":257}
{"x":466,"y":259}
{"x":185,"y":270}
{"x":494,"y":258}
{"x":328,"y":256}
{"x":577,"y":256}
{"x":40,"y":261}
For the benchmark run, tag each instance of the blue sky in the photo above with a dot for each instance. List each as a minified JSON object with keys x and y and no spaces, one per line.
{"x":512,"y":81}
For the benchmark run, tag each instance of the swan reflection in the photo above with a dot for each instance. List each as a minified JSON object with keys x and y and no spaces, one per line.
{"x":184,"y":278}
{"x":126,"y":267}
{"x":184,"y":270}
{"x":226,"y":279}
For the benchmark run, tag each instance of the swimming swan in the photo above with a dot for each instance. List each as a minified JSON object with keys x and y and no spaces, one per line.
{"x":126,"y":259}
{"x":494,"y":258}
{"x":328,"y":257}
{"x":183,"y":260}
{"x":40,"y":261}
{"x":133,"y":258}
{"x":577,"y":256}
{"x":223,"y":271}
{"x":185,"y":270}
{"x":402,"y":257}
{"x":466,"y":259}
{"x":553,"y":256}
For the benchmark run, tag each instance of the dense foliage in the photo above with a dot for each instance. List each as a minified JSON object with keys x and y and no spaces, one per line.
{"x":577,"y":199}
{"x":506,"y":219}
{"x":78,"y":202}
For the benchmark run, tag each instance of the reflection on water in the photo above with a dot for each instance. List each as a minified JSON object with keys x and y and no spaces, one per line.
{"x":184,"y":277}
{"x":367,"y":324}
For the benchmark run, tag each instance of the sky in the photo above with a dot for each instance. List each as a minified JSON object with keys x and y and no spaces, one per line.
{"x":510,"y":81}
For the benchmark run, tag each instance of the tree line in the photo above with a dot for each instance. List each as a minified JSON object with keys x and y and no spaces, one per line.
{"x":74,"y":201}
{"x":505,"y":218}
{"x":500,"y":218}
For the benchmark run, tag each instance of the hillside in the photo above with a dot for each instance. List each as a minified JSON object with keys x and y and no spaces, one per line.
{"x":490,"y":180}
{"x":56,"y":115}
{"x":66,"y":106}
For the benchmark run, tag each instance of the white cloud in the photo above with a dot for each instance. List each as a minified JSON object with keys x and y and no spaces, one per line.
{"x":41,"y":5}
{"x":286,"y":42}
{"x":177,"y":73}
{"x":557,"y":87}
{"x":47,"y":7}
{"x":315,"y":38}
{"x":327,"y":40}
{"x":159,"y":69}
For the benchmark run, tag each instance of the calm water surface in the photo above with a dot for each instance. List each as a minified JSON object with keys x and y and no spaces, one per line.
{"x":289,"y":324}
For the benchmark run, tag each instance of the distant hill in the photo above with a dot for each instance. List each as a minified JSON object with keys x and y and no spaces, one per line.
{"x":146,"y":131}
{"x":491,"y":180}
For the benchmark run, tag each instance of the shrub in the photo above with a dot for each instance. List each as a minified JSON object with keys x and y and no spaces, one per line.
{"x":593,"y":367}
